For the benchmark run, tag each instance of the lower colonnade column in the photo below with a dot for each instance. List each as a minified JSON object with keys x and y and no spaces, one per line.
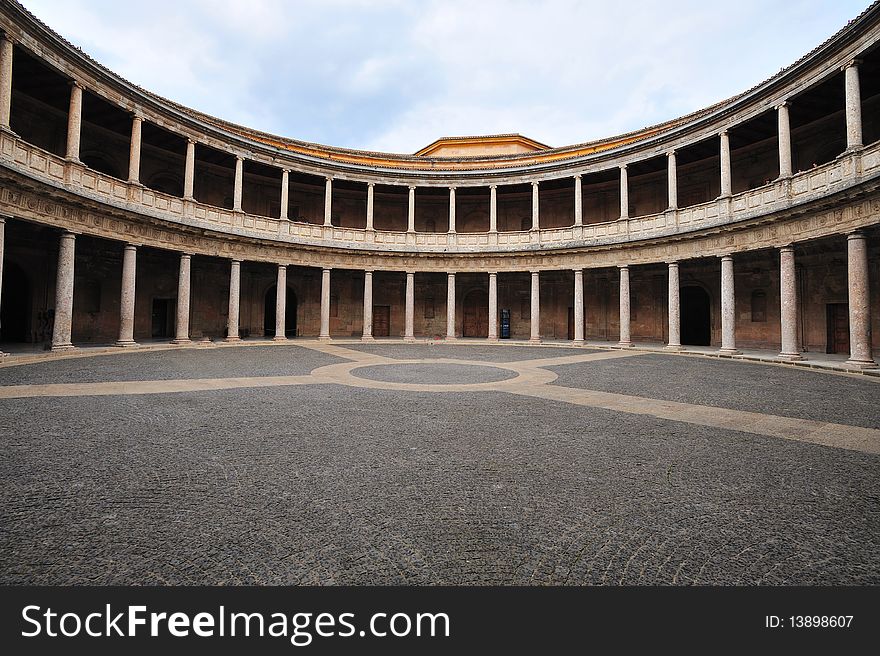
{"x":2,"y":241}
{"x":281,"y":303}
{"x":625,"y":339}
{"x":450,"y":306}
{"x":535,"y":333}
{"x":408,"y":326}
{"x":728,"y":308}
{"x":859,"y":302}
{"x":579,"y":306}
{"x":788,"y":298}
{"x":368,"y":307}
{"x":64,"y":294}
{"x":325,"y":305}
{"x":234,"y":301}
{"x":127,"y":297}
{"x":181,"y":333}
{"x":493,"y":307}
{"x":674,"y":309}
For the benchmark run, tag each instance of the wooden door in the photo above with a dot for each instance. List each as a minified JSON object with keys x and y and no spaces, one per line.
{"x":838,"y":328}
{"x":382,"y":321}
{"x":475,"y":322}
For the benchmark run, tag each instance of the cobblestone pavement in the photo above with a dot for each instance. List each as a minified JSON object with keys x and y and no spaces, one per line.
{"x":330,"y":483}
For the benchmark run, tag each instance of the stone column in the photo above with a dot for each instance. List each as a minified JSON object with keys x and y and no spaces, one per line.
{"x":234,"y":301}
{"x":493,"y":208}
{"x":183,"y":292}
{"x":859,"y":302}
{"x":370,"y":204}
{"x":536,"y":207}
{"x":853,"y":106}
{"x":725,"y":164}
{"x":239,"y":179}
{"x":134,"y":151}
{"x":328,"y":202}
{"x":535,"y":335}
{"x":784,"y":141}
{"x":64,"y":293}
{"x":791,"y":348}
{"x":285,"y":193}
{"x":674,"y":309}
{"x":450,"y":306}
{"x":74,"y":122}
{"x":2,"y":242}
{"x":411,"y":211}
{"x":368,"y":305}
{"x":325,"y":305}
{"x":127,"y":298}
{"x":189,"y":172}
{"x":6,"y":51}
{"x":452,"y":210}
{"x":579,"y":306}
{"x":578,"y":201}
{"x":409,"y":311}
{"x":493,"y":306}
{"x":728,"y":307}
{"x":672,"y":179}
{"x":624,"y":193}
{"x":625,"y":339}
{"x":281,"y":304}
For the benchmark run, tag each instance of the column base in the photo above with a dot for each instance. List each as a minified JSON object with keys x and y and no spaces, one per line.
{"x":233,"y":338}
{"x":323,"y":338}
{"x":57,"y":348}
{"x":577,"y":342}
{"x":409,"y":338}
{"x":3,"y":354}
{"x":861,"y":364}
{"x":729,"y":351}
{"x":279,"y":338}
{"x":790,"y":357}
{"x":673,"y":347}
{"x":368,"y":338}
{"x":450,"y":338}
{"x":126,"y":343}
{"x":492,"y":339}
{"x":624,"y":344}
{"x":182,"y":340}
{"x":534,"y":340}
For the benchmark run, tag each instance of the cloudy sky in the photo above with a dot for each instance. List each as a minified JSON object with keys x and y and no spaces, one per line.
{"x":393,"y":75}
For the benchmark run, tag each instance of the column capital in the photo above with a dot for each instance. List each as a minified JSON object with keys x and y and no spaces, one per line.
{"x":852,"y":63}
{"x":411,"y":187}
{"x":453,"y":187}
{"x":75,"y":83}
{"x":622,"y":167}
{"x":6,"y":36}
{"x":493,"y":273}
{"x":670,"y":153}
{"x":623,"y":266}
{"x":286,"y":171}
{"x":534,"y":183}
{"x":68,"y":234}
{"x":788,"y":248}
{"x":130,"y":247}
{"x":493,"y":186}
{"x":672,"y":263}
{"x":328,"y":178}
{"x":326,"y":268}
{"x":371,"y":184}
{"x":534,"y":272}
{"x":577,"y":176}
{"x":137,"y":116}
{"x":186,"y":254}
{"x":190,"y":140}
{"x":725,"y":132}
{"x":780,"y":105}
{"x":410,"y":272}
{"x":282,"y":266}
{"x":727,"y":257}
{"x":855,"y":234}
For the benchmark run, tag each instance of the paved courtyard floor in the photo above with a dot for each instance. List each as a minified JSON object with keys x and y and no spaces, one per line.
{"x":350,"y":463}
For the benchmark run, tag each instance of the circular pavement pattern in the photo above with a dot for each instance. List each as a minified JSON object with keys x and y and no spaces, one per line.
{"x":285,"y":465}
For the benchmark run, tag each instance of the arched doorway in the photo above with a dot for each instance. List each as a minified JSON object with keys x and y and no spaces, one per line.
{"x":696,"y":318}
{"x":15,"y":311}
{"x":475,"y":314}
{"x":289,"y":313}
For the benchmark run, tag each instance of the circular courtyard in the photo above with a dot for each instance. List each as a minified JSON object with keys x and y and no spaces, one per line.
{"x":385,"y":463}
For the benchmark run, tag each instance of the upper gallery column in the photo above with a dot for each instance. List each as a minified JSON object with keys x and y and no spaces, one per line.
{"x":189,"y":171}
{"x":2,"y":245}
{"x":624,"y":193}
{"x":493,"y":208}
{"x":578,"y":201}
{"x":535,"y":332}
{"x":725,"y":164}
{"x":280,"y":303}
{"x":674,"y":309}
{"x":536,"y":207}
{"x":493,"y":306}
{"x":859,"y":302}
{"x":370,"y":204}
{"x":411,"y":211}
{"x":853,"y":105}
{"x":183,"y":295}
{"x":625,"y":339}
{"x":784,"y":140}
{"x":788,"y":297}
{"x":64,"y":293}
{"x":728,"y":307}
{"x":74,"y":121}
{"x":134,"y":150}
{"x":6,"y":50}
{"x":409,"y":309}
{"x":127,"y":296}
{"x":239,"y":180}
{"x":368,"y":306}
{"x":328,"y":202}
{"x":234,"y":301}
{"x":579,"y":306}
{"x":325,"y":304}
{"x":452,"y":209}
{"x":450,"y":305}
{"x":672,"y":179}
{"x":285,"y":193}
